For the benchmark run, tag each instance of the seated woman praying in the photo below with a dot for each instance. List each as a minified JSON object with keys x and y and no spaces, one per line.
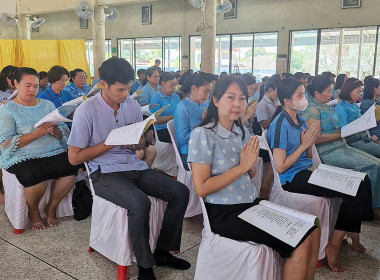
{"x":223,"y":157}
{"x":35,"y":155}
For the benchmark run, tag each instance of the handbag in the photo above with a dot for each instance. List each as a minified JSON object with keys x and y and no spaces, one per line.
{"x":82,"y":201}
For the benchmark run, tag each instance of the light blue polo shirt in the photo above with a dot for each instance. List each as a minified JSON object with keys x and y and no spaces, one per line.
{"x":347,"y":112}
{"x":162,"y":100}
{"x":285,"y":134}
{"x":187,"y":116}
{"x":220,"y":148}
{"x":77,"y":92}
{"x":93,"y":121}
{"x":147,"y":94}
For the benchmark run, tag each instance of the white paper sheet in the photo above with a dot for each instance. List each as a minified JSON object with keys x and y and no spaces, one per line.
{"x":97,"y":88}
{"x":284,"y":227}
{"x":367,"y":121}
{"x":75,"y":102}
{"x":54,"y":118}
{"x":13,"y":95}
{"x":333,"y":102}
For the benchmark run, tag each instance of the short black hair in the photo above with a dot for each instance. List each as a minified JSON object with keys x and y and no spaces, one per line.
{"x":166,"y":76}
{"x":149,"y":72}
{"x":74,"y":73}
{"x":56,"y":72}
{"x":157,"y":61}
{"x":140,"y":71}
{"x":43,"y":75}
{"x":299,"y":76}
{"x":7,"y":72}
{"x":319,"y":84}
{"x":248,"y":79}
{"x":21,"y":72}
{"x":115,"y":70}
{"x":369,"y":86}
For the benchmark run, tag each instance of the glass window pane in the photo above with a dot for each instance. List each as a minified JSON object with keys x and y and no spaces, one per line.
{"x":350,"y":52}
{"x":147,"y":51}
{"x":195,"y":53}
{"x":329,"y":51}
{"x":90,"y":53}
{"x":172,"y":58}
{"x":222,"y":54}
{"x":368,"y":52}
{"x":126,"y":51}
{"x":108,"y":49}
{"x":242,"y":52}
{"x":303,"y":51}
{"x":265,"y":54}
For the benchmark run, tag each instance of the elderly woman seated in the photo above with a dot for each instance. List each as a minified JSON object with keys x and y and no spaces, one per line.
{"x":35,"y":155}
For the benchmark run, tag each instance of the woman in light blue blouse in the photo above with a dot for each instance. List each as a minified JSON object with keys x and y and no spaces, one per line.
{"x":165,"y":96}
{"x":347,"y":111}
{"x":371,"y":96}
{"x":78,"y":84}
{"x":190,"y":112}
{"x":151,"y":87}
{"x":35,"y":155}
{"x":223,"y":158}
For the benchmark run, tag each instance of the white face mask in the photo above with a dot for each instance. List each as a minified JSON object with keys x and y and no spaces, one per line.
{"x":300,"y":105}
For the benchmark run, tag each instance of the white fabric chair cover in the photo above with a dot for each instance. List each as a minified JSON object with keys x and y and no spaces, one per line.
{"x":325,"y":208}
{"x":221,"y":258}
{"x":109,"y":228}
{"x":165,"y":158}
{"x":184,"y":176}
{"x":16,"y":207}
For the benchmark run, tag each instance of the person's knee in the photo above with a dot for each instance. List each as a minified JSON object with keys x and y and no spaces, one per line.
{"x":304,"y":250}
{"x":141,"y":207}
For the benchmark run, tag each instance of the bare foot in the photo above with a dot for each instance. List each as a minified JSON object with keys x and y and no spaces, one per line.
{"x":38,"y":225}
{"x":52,"y":222}
{"x":332,"y":255}
{"x":2,"y":197}
{"x":35,"y":220}
{"x":356,"y":245}
{"x":51,"y":217}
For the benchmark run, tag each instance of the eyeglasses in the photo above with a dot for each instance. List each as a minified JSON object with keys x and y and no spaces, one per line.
{"x":155,"y":77}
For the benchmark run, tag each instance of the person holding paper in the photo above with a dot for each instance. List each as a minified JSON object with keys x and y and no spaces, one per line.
{"x":152,"y":86}
{"x":332,"y":149}
{"x":223,"y":157}
{"x":78,"y":84}
{"x":165,"y":96}
{"x":291,"y":141}
{"x":190,"y":112}
{"x":56,"y":93}
{"x":35,"y":155}
{"x":119,"y":177}
{"x":347,"y":111}
{"x":371,"y":96}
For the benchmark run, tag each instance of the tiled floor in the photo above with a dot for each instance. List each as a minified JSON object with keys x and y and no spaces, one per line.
{"x":61,"y":253}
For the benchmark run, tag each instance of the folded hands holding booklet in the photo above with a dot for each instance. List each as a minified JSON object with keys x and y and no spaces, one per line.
{"x":131,"y":134}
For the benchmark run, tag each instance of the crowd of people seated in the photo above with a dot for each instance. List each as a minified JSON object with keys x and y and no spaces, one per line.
{"x":217,"y":120}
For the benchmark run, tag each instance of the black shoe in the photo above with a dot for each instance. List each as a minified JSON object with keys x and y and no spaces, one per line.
{"x":165,"y":258}
{"x":146,"y":274}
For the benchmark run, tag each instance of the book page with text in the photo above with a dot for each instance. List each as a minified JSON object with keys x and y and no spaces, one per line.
{"x":343,"y":171}
{"x":367,"y":121}
{"x":54,"y":118}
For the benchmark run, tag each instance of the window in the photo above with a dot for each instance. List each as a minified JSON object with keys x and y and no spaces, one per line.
{"x":303,"y":51}
{"x":242,"y":46}
{"x":147,"y":51}
{"x":265,"y":54}
{"x":329,"y":51}
{"x":195,"y":52}
{"x":90,"y":53}
{"x":126,"y":50}
{"x":222,"y":54}
{"x":172,"y":54}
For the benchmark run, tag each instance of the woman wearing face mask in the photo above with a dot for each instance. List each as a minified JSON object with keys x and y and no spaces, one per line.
{"x":291,"y":142}
{"x":190,"y":112}
{"x":332,"y":149}
{"x":165,"y":96}
{"x":6,"y":86}
{"x":78,"y":83}
{"x":223,"y":157}
{"x":151,"y":87}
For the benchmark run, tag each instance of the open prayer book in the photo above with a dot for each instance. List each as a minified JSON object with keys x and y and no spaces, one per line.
{"x":136,"y":95}
{"x":57,"y":116}
{"x":94,"y":90}
{"x":367,"y":121}
{"x":338,"y":179}
{"x":286,"y":224}
{"x":146,"y":109}
{"x":131,"y":134}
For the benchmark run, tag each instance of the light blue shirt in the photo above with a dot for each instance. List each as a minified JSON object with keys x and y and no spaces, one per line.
{"x":187,"y":116}
{"x":366,"y":104}
{"x":162,"y":100}
{"x":147,"y":94}
{"x":93,"y":121}
{"x":220,"y":148}
{"x":4,"y":95}
{"x":57,"y":99}
{"x":266,"y":108}
{"x":286,"y":135}
{"x":77,"y":92}
{"x":17,"y":120}
{"x":136,"y":86}
{"x":347,"y":112}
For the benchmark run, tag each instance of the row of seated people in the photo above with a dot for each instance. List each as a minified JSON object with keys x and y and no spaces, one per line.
{"x":222,"y":120}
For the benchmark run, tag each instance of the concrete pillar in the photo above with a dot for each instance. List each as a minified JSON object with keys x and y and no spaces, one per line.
{"x":23,"y":28}
{"x":208,"y":38}
{"x":98,"y":37}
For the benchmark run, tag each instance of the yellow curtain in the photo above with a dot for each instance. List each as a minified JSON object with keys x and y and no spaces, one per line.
{"x":72,"y":55}
{"x":43,"y":54}
{"x":7,"y":53}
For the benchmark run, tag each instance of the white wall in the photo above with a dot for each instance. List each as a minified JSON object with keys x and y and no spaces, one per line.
{"x":178,"y":18}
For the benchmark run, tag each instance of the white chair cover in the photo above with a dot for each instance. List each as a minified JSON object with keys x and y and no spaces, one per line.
{"x":325,"y":208}
{"x":184,"y":176}
{"x":165,"y":158}
{"x":109,"y":228}
{"x":221,"y":258}
{"x":16,"y":207}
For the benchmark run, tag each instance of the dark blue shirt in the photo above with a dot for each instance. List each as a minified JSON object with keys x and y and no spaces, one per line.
{"x":57,"y":99}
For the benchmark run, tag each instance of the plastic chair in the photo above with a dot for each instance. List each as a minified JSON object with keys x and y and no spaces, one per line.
{"x":325,"y":208}
{"x":109,"y":230}
{"x":184,"y":176}
{"x":17,"y":209}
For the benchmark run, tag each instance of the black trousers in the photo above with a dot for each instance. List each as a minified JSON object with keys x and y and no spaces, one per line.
{"x":352,"y":210}
{"x":164,"y":136}
{"x":130,"y":190}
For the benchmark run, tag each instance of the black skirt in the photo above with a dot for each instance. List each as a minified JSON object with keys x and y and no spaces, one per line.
{"x":34,"y":171}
